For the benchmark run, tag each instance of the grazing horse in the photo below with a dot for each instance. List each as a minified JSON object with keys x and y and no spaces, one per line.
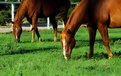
{"x":34,"y":9}
{"x":98,"y":14}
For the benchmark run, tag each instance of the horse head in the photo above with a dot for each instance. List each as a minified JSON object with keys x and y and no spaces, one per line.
{"x":68,"y":43}
{"x":17,"y":30}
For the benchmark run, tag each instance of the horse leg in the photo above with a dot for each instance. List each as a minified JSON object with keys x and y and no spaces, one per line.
{"x":64,"y":17}
{"x":104,"y":33}
{"x":54,"y":23}
{"x":34,"y":27}
{"x":30,"y":21}
{"x":92,"y":34}
{"x":38,"y":35}
{"x":37,"y":32}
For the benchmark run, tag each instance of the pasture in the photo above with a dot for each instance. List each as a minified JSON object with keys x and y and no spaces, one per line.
{"x":45,"y":58}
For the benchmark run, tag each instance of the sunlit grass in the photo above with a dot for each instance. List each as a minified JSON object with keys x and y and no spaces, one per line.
{"x":45,"y":58}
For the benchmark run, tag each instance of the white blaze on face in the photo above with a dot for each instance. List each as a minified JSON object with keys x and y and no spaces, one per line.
{"x":16,"y":33}
{"x":64,"y":48}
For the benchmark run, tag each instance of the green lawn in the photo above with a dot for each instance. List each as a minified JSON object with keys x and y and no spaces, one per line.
{"x":45,"y":58}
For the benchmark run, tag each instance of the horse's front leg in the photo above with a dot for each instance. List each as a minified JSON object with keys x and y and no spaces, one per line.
{"x":92,"y":34}
{"x":54,"y":23}
{"x":33,"y":33}
{"x":34,"y":28}
{"x":104,"y":33}
{"x":38,"y":35}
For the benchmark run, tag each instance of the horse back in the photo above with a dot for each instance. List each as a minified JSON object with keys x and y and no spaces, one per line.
{"x":115,"y":13}
{"x":45,"y":8}
{"x":102,"y":11}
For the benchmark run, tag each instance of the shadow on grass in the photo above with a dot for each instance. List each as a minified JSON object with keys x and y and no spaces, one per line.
{"x":50,"y":40}
{"x":79,"y":43}
{"x":98,"y":56}
{"x":43,"y":40}
{"x":25,"y":51}
{"x":83,"y":43}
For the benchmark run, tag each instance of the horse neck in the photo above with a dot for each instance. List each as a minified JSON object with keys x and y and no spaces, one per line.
{"x":20,"y":12}
{"x":76,"y":18}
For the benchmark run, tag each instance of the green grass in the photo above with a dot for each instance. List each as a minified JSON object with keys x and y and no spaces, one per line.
{"x":45,"y":58}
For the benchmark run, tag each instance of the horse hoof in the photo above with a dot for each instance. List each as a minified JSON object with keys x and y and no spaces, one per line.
{"x":32,"y":41}
{"x":55,"y":39}
{"x":17,"y":41}
{"x":39,"y":39}
{"x":89,"y":56}
{"x":110,"y":56}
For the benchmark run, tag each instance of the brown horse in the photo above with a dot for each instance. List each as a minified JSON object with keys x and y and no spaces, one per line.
{"x":34,"y":9}
{"x":99,"y":14}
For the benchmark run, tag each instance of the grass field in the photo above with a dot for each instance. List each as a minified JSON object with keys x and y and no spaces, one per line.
{"x":45,"y":58}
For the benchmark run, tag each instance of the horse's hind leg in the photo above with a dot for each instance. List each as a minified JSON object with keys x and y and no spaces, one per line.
{"x":54,"y":23}
{"x":92,"y":34}
{"x":104,"y":33}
